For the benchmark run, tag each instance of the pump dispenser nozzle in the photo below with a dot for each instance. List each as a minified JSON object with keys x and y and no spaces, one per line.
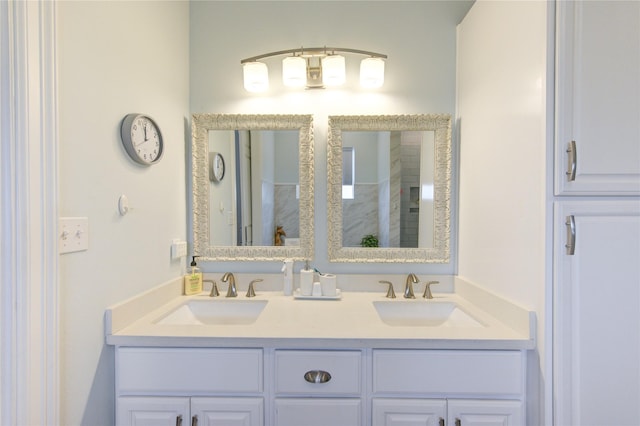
{"x":193,"y":264}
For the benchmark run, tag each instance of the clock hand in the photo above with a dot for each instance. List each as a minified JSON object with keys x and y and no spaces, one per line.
{"x":146,"y":138}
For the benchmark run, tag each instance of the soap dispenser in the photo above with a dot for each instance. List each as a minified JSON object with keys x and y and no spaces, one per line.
{"x":193,"y":280}
{"x":306,"y":280}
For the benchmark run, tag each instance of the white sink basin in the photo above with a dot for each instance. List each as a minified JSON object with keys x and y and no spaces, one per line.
{"x":215,"y":312}
{"x":423,"y":313}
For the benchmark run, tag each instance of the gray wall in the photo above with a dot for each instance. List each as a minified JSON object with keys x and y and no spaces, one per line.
{"x":115,"y":58}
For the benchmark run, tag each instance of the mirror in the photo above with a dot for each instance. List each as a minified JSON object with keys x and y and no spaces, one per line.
{"x":389,"y":188}
{"x":252,"y":186}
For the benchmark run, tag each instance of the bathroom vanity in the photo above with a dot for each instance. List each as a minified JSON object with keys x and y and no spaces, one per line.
{"x":457,"y":359}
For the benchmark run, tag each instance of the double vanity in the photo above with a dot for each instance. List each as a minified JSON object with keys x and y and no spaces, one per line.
{"x":358,"y":359}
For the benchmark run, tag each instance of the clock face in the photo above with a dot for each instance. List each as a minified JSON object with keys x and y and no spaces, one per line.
{"x":217,"y":166}
{"x":142,"y":139}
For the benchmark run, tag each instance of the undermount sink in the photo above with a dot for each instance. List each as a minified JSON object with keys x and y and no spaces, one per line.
{"x":215,"y":312}
{"x":423,"y":313}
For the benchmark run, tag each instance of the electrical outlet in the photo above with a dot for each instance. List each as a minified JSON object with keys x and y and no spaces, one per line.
{"x":73,"y":234}
{"x":178,"y":249}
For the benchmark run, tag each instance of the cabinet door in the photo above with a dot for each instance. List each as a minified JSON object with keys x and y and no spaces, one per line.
{"x":597,"y":314}
{"x":408,"y":412}
{"x":228,"y":411}
{"x":485,"y":413}
{"x":152,"y":411}
{"x":598,"y":97}
{"x":317,"y":412}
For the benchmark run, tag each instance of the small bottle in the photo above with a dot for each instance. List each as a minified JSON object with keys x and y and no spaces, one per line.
{"x":193,"y":280}
{"x":287,"y":270}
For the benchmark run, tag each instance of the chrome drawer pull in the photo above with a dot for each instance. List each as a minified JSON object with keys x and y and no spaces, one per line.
{"x":571,"y":235}
{"x":194,"y":421}
{"x":178,"y":420}
{"x":317,"y":376}
{"x":572,"y":161}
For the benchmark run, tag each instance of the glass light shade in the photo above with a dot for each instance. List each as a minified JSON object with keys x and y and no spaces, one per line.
{"x":256,"y":76}
{"x":294,"y":71}
{"x":333,"y":71}
{"x":372,"y":73}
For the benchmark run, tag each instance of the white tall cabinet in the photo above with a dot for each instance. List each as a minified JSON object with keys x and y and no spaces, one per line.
{"x":596,"y":286}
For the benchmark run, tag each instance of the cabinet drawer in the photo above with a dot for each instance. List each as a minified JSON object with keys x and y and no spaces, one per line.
{"x":318,"y":412}
{"x":450,"y":372}
{"x":188,"y":371}
{"x":343,"y":366}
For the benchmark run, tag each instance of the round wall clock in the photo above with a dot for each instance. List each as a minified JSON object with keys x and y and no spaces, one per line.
{"x":216,"y":164}
{"x":142,"y":139}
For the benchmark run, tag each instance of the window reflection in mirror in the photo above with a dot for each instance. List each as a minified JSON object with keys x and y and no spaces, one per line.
{"x":391,"y":194}
{"x":401,"y":210}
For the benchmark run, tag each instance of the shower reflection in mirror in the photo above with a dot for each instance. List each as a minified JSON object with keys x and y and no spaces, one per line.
{"x":387,"y":188}
{"x":257,"y":203}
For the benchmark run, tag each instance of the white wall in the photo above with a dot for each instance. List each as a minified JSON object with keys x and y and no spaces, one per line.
{"x":418,"y":37}
{"x":502,"y":96}
{"x":116,"y":58}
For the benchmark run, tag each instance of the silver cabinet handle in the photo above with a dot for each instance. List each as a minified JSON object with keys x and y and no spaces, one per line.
{"x":571,"y":235}
{"x":573,"y":161}
{"x":441,"y":422}
{"x":179,"y":420}
{"x":317,"y":376}
{"x":194,"y":421}
{"x":458,"y":422}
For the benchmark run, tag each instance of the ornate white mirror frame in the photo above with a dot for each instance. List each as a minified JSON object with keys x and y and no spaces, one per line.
{"x":201,"y":125}
{"x":440,"y":124}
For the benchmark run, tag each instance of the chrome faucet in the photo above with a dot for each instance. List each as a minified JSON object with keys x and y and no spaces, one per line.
{"x":231,"y":291}
{"x":390,"y":293}
{"x":251,"y":291}
{"x":427,"y":290}
{"x":214,"y":288}
{"x":408,"y":286}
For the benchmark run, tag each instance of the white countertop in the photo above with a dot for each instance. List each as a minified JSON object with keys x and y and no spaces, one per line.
{"x":351,"y":322}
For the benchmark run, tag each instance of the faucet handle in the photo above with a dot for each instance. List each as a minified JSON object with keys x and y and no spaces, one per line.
{"x":214,"y":288}
{"x":427,"y":290}
{"x":390,"y":293}
{"x":250,"y":291}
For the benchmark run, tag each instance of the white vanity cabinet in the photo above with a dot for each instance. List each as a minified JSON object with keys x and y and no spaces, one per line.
{"x":597,"y":312}
{"x":596,"y":282}
{"x":207,"y":386}
{"x":178,"y":411}
{"x":318,"y":388}
{"x":441,"y":412}
{"x":598,"y":98}
{"x":433,"y":387}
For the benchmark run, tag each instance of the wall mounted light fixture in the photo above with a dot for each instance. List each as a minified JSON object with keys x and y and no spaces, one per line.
{"x":313,"y":68}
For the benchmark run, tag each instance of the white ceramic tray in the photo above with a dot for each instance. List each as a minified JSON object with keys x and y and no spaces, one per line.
{"x":297,"y":295}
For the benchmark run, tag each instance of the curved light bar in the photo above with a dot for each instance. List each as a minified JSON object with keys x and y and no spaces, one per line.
{"x":314,"y":67}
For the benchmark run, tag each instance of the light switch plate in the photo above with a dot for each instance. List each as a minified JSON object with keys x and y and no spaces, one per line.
{"x":178,"y":249}
{"x":73,"y":234}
